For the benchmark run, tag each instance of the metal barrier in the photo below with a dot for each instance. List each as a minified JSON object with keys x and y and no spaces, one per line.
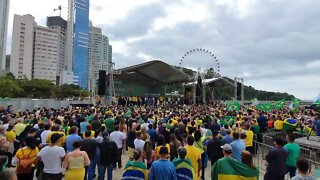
{"x":262,"y":149}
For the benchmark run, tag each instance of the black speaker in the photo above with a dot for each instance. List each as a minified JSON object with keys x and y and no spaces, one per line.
{"x":239,"y":90}
{"x":102,"y":83}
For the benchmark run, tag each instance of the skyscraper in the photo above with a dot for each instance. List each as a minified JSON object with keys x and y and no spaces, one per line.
{"x":80,"y":41}
{"x":35,"y":50}
{"x":98,"y":55}
{"x":46,"y":54}
{"x":60,"y":25}
{"x":22,"y":46}
{"x":4,"y":14}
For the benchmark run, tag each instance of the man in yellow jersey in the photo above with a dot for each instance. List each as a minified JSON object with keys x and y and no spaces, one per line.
{"x":194,"y":155}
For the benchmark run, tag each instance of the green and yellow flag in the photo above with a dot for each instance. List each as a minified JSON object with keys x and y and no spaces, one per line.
{"x":234,"y":106}
{"x":279,"y":104}
{"x":267,"y":107}
{"x":230,"y":169}
{"x":227,"y":120}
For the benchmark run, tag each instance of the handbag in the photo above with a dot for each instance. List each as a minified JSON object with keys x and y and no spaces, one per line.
{"x":25,"y":164}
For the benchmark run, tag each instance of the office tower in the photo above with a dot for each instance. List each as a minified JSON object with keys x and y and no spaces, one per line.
{"x":60,"y":25}
{"x":4,"y":14}
{"x":22,"y":46}
{"x":79,"y":15}
{"x":34,"y":50}
{"x":97,"y":56}
{"x":110,"y":54}
{"x":46,"y":54}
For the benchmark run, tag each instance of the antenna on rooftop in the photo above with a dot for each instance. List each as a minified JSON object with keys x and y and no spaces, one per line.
{"x":58,"y":9}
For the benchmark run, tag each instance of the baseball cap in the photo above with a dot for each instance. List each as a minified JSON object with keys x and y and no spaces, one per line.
{"x":227,"y":148}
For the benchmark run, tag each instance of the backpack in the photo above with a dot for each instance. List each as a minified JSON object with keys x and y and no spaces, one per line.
{"x":25,"y":164}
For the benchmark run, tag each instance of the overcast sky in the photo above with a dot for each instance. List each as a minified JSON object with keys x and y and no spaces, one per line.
{"x":273,"y":44}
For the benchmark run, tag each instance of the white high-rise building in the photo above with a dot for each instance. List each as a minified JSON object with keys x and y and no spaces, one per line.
{"x":4,"y":14}
{"x":46,"y":54}
{"x":98,"y":55}
{"x":22,"y":46}
{"x":35,"y":50}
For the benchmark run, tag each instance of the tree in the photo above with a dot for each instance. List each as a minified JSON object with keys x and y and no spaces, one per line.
{"x":9,"y":87}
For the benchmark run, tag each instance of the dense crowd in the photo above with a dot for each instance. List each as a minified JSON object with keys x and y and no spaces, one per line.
{"x":163,"y":141}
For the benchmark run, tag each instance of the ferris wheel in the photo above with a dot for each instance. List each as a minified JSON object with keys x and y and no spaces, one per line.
{"x":205,"y":65}
{"x":211,"y":63}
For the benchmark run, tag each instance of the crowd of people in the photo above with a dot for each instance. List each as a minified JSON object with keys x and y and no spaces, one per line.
{"x":163,"y":141}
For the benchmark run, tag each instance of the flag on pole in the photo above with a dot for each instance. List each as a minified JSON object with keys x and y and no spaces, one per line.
{"x":227,"y":120}
{"x":254,"y":102}
{"x":279,"y":104}
{"x":267,"y":107}
{"x":234,"y":106}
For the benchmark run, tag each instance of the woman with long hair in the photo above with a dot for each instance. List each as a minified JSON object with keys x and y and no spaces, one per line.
{"x":246,"y":158}
{"x":161,"y":143}
{"x":75,"y":162}
{"x":148,"y":153}
{"x":25,"y":156}
{"x":135,"y":168}
{"x":174,"y":145}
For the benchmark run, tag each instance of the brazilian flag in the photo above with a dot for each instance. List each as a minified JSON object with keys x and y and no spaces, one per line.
{"x":227,"y":120}
{"x":234,"y":106}
{"x":267,"y":107}
{"x":279,"y":104}
{"x":230,"y":169}
{"x":290,"y":125}
{"x":128,"y":113}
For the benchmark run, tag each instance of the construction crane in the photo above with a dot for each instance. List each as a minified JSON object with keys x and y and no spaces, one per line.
{"x":58,"y":9}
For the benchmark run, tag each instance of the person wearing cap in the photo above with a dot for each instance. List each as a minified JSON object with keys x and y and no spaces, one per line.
{"x":52,"y":157}
{"x":276,"y":159}
{"x":163,"y":169}
{"x":214,"y":148}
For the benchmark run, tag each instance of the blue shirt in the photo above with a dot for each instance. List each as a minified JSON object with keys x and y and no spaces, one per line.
{"x":152,"y":134}
{"x":317,"y":125}
{"x":83,"y":127}
{"x":163,"y":169}
{"x":237,"y":147}
{"x":227,"y":139}
{"x":69,"y":141}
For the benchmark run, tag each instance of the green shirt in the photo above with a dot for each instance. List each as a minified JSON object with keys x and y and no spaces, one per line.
{"x":293,"y":153}
{"x":255,"y":129}
{"x":109,"y":124}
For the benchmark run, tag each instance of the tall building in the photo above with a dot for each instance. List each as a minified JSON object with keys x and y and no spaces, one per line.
{"x":80,"y":19}
{"x":60,"y":25}
{"x":35,"y":50}
{"x":22,"y":46}
{"x":110,"y":54}
{"x":4,"y":14}
{"x":46,"y":54}
{"x":98,"y":55}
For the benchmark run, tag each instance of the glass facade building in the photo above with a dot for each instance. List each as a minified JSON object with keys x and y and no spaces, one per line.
{"x":81,"y":41}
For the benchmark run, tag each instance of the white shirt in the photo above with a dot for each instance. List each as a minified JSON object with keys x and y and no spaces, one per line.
{"x":117,"y":137}
{"x":145,"y":125}
{"x":44,"y":136}
{"x":51,"y":157}
{"x":6,"y":126}
{"x":139,"y":144}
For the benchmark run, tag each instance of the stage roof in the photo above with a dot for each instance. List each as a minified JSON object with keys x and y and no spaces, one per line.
{"x":157,"y":70}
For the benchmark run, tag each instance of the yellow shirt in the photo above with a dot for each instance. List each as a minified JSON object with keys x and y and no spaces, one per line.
{"x":278,"y":125}
{"x":194,"y":155}
{"x":92,"y":135}
{"x":27,"y":153}
{"x":10,"y":135}
{"x":249,"y":138}
{"x":19,"y":128}
{"x":158,"y":150}
{"x":62,"y":140}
